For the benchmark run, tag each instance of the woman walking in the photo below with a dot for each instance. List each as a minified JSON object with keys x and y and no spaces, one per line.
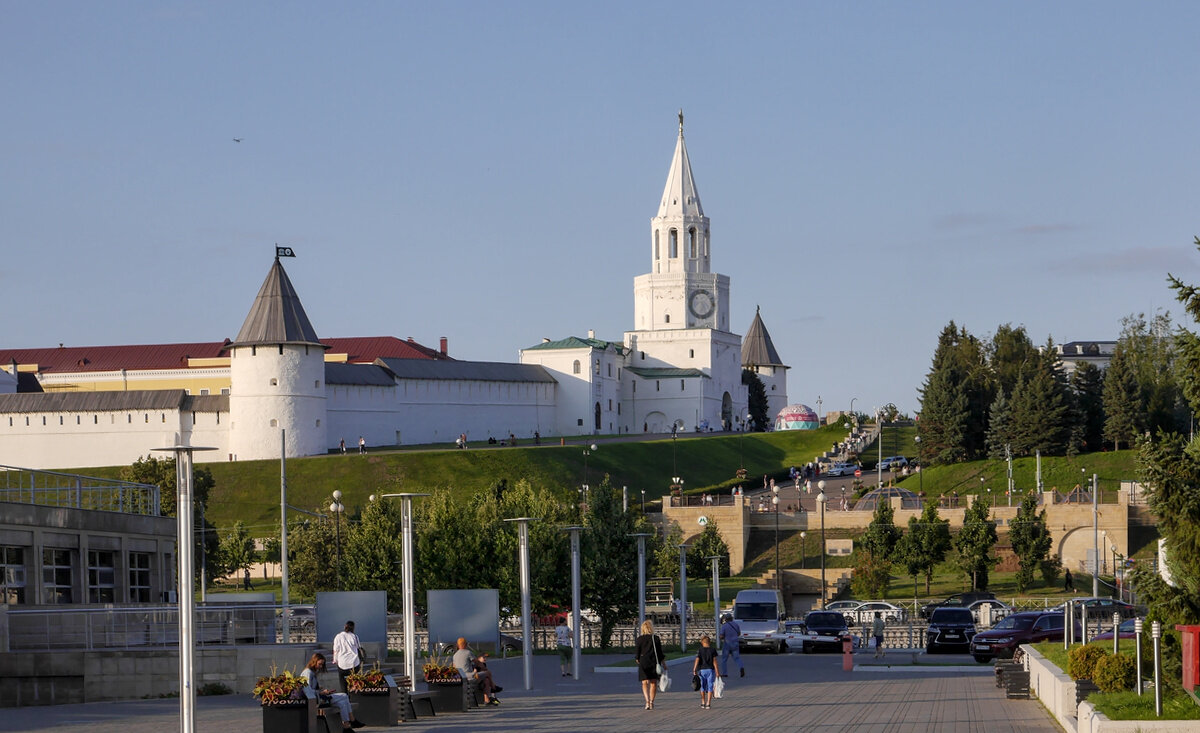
{"x":649,"y":655}
{"x":706,"y":666}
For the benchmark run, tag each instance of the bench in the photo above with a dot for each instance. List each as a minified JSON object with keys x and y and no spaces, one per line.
{"x":409,"y":699}
{"x":1013,"y":679}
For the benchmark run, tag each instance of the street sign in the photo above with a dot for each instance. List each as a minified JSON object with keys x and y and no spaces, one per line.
{"x":858,"y":473}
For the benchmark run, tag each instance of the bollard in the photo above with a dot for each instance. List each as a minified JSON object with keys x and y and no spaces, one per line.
{"x":847,"y":654}
{"x":1069,"y":627}
{"x":1137,"y":645}
{"x":1156,"y":634}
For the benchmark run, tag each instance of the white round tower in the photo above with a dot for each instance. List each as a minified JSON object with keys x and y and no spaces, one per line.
{"x":277,"y":377}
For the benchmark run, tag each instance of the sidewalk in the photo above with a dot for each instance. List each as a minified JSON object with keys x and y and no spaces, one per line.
{"x":788,"y":692}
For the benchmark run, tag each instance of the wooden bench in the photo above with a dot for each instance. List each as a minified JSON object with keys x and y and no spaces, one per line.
{"x":409,"y":699}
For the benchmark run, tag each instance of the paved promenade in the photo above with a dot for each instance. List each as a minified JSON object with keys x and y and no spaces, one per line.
{"x":791,"y":692}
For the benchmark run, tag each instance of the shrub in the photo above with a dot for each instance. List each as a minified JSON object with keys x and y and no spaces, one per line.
{"x":1051,"y":568}
{"x":214,"y":688}
{"x":1115,"y":673}
{"x":1081,"y":661}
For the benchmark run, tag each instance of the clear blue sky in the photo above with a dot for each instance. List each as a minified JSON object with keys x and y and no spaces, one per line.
{"x":487,"y":171}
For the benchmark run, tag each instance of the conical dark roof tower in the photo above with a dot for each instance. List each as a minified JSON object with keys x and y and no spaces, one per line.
{"x":277,"y":316}
{"x":757,"y":349}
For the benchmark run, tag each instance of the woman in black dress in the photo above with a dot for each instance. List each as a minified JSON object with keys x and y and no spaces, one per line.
{"x":649,"y":654}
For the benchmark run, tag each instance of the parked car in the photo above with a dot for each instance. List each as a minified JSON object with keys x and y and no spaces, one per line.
{"x":1101,"y":609}
{"x":843,"y":606}
{"x":824,"y":631}
{"x":958,"y":599}
{"x":508,"y":645}
{"x":1125,"y":630}
{"x":303,"y":618}
{"x":1028,"y":627}
{"x":999,"y":609}
{"x":950,"y":628}
{"x":891,"y":463}
{"x":843,"y":469}
{"x":865,"y":613}
{"x":395,"y":621}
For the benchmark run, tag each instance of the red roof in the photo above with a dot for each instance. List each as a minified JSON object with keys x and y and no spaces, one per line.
{"x":175,"y":356}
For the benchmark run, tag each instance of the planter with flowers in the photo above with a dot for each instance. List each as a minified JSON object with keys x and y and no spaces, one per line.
{"x":374,"y":696}
{"x":446,"y":684}
{"x":286,"y":708}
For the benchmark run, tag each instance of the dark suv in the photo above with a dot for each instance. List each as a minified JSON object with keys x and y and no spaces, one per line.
{"x":1012,"y":631}
{"x":958,"y":599}
{"x":949,"y":628}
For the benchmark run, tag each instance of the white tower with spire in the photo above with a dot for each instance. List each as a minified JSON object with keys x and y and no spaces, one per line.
{"x":681,"y":319}
{"x":277,"y":377}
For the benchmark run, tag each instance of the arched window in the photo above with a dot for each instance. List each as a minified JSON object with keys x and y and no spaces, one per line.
{"x":692,"y":248}
{"x":274,"y":382}
{"x":691,"y":353}
{"x":656,"y":245}
{"x":673,"y":245}
{"x":597,"y":369}
{"x":667,"y":318}
{"x":274,"y":423}
{"x":575,"y":368}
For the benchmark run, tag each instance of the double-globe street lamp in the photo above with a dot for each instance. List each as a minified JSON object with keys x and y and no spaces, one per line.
{"x":337,"y":507}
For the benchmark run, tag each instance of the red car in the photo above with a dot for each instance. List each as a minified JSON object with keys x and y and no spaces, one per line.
{"x":1012,"y":631}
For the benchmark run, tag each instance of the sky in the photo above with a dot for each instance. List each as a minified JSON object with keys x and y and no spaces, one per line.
{"x":487,"y":171}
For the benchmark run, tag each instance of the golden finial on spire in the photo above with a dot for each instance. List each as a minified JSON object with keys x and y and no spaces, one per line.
{"x":681,"y":120}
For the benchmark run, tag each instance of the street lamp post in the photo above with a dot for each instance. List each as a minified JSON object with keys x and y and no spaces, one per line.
{"x":920,"y":476}
{"x":1095,"y":539}
{"x":716,"y":584}
{"x":641,"y":540}
{"x":775,"y":505}
{"x":821,"y":499}
{"x":337,"y":507}
{"x":577,"y":631}
{"x":406,"y":579}
{"x":803,"y":548}
{"x":643,"y":501}
{"x":683,"y":597}
{"x":526,"y":592}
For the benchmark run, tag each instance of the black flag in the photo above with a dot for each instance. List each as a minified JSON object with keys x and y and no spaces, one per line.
{"x":284,"y":251}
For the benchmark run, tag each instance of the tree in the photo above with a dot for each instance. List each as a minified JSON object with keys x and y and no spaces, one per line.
{"x":872,"y":575}
{"x":756,"y":404}
{"x":1009,"y":351}
{"x":999,"y":427}
{"x":974,"y":544}
{"x":664,"y":552}
{"x":1030,"y":539}
{"x":925,"y":544}
{"x":312,"y":560}
{"x":703,"y":546}
{"x":1041,"y":409}
{"x":372,"y":550}
{"x":160,"y":472}
{"x":1122,"y":413}
{"x":610,"y":553}
{"x":882,"y":533}
{"x":549,"y":545}
{"x":237,"y":549}
{"x":955,"y":399}
{"x":1087,"y":381}
{"x":1150,"y":348}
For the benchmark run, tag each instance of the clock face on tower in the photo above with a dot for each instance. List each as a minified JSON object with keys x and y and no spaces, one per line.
{"x":701,"y":304}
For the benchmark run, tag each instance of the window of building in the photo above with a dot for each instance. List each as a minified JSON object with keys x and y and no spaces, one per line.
{"x":78,"y":420}
{"x":281,"y":349}
{"x":95,"y":419}
{"x":673,"y":245}
{"x":656,"y":246}
{"x":164,"y":416}
{"x":317,"y":384}
{"x":12,"y":575}
{"x":43,"y":419}
{"x":692,"y":249}
{"x":318,"y":422}
{"x":101,"y":576}
{"x":682,"y":385}
{"x":253,"y":351}
{"x":56,"y":576}
{"x":634,"y":385}
{"x":610,"y":370}
{"x":139,"y":577}
{"x":146,"y":417}
{"x":274,"y":382}
{"x":618,"y":408}
{"x":610,"y":405}
{"x":224,"y":390}
{"x":203,"y":391}
{"x":60,"y":419}
{"x":657,"y":386}
{"x":274,"y":423}
{"x":597,"y":368}
{"x":575,"y":368}
{"x":667,"y":318}
{"x":691,"y":353}
{"x":579,"y":422}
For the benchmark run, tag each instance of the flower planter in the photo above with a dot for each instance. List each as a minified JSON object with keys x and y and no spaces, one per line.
{"x":448,"y":696}
{"x":298,"y":716}
{"x":377,"y":707}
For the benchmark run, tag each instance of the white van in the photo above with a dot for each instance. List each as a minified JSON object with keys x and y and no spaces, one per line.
{"x":761,"y":614}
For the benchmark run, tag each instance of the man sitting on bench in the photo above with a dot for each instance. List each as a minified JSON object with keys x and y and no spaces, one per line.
{"x":471,"y":667}
{"x":316,"y":665}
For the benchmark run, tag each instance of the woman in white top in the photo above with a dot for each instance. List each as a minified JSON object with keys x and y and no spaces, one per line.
{"x":346,"y":653}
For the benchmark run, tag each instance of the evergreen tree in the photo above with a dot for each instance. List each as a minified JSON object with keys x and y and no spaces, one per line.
{"x":1030,"y":539}
{"x":1009,"y":350}
{"x":882,"y":533}
{"x":999,"y":427}
{"x":974,"y":544}
{"x":1122,"y":412}
{"x":955,"y":399}
{"x":1041,"y":408}
{"x":663,"y":552}
{"x":1150,"y":348}
{"x":756,"y":405}
{"x":1087,"y":382}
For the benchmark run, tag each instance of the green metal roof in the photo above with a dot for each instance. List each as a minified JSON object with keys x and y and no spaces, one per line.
{"x":667,"y":373}
{"x":575,"y":342}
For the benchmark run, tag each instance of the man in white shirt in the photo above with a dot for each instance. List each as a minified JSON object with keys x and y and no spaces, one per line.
{"x":346,"y":653}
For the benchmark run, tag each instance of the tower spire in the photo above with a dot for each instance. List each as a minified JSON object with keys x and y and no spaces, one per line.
{"x":681,"y":122}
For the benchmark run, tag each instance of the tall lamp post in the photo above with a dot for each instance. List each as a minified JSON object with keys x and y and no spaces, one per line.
{"x":643,"y":501}
{"x":641,"y":540}
{"x":920,"y":477}
{"x":821,"y":499}
{"x":1095,"y":539}
{"x":577,"y":631}
{"x":185,"y":545}
{"x":683,"y":607}
{"x":406,"y":579}
{"x":337,"y":507}
{"x":526,"y":592}
{"x":775,"y":506}
{"x":803,"y":548}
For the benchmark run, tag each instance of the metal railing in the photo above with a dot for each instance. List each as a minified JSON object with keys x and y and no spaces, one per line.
{"x":140,"y":627}
{"x":52,"y":488}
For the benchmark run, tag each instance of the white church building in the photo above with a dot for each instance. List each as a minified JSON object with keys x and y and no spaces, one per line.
{"x":679,"y":368}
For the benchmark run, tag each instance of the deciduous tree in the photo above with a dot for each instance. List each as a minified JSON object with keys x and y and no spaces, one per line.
{"x":974,"y":544}
{"x":1030,"y":539}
